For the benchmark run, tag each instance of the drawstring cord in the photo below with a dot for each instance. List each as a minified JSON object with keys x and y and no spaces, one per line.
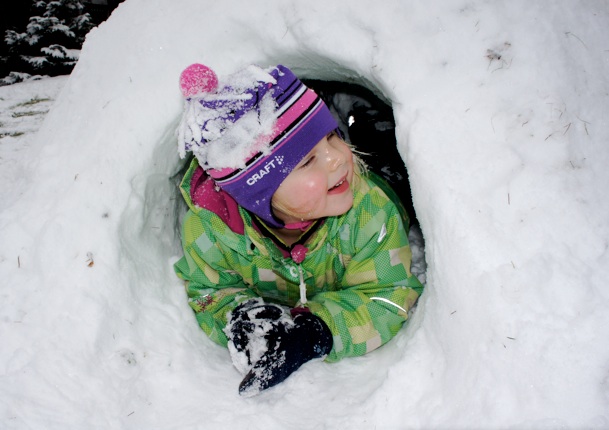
{"x":302,"y":286}
{"x":298,"y":254}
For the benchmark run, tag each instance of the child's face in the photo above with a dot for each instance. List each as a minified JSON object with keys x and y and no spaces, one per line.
{"x":319,"y":186}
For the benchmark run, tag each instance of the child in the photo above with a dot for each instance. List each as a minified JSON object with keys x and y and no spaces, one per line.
{"x":292,"y":251}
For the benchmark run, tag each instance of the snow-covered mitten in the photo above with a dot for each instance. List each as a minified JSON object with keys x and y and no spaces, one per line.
{"x":246,"y":330}
{"x":289,"y":347}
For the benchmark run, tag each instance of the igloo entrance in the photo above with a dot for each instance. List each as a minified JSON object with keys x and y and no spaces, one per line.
{"x":367,"y":123}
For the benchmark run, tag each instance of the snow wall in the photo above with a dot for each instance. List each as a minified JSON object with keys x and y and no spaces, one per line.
{"x":501,"y":110}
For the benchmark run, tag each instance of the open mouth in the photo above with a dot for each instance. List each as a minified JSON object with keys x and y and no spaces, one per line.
{"x":340,"y":186}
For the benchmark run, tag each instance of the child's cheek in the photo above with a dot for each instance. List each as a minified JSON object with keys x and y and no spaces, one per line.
{"x":311,"y":191}
{"x":314,"y":184}
{"x":315,"y":189}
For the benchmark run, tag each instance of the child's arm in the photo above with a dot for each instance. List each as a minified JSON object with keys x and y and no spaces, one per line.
{"x":378,"y":288}
{"x":213,"y":288}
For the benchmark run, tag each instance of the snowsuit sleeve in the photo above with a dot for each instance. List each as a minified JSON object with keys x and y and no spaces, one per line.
{"x":213,"y":288}
{"x":377,"y":288}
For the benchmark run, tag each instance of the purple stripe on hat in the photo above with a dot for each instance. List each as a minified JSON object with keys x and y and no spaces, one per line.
{"x":302,"y":96}
{"x":295,"y":86}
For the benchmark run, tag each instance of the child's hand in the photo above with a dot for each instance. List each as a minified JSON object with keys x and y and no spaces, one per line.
{"x":289,"y":347}
{"x":247,"y":327}
{"x":267,"y":344}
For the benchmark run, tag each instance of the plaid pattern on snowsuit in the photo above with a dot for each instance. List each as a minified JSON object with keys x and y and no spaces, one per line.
{"x":357,"y":268}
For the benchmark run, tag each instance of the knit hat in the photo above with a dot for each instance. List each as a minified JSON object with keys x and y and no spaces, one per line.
{"x":250,"y":131}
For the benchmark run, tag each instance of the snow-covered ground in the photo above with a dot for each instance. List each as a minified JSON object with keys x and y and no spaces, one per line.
{"x":502,"y":112}
{"x":22,"y":109}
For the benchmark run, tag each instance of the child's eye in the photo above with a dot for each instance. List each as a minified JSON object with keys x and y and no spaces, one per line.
{"x":307,"y":162}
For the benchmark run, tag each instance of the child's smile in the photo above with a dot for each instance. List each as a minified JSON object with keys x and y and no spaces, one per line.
{"x":319,"y":186}
{"x":341,"y":187}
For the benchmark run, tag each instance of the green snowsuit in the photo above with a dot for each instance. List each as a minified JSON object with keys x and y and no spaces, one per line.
{"x":356,"y":270}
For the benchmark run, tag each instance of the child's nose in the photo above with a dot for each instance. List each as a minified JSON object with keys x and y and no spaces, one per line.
{"x":334,"y":158}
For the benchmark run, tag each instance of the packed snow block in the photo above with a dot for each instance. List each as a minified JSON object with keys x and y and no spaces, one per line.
{"x":500,"y":119}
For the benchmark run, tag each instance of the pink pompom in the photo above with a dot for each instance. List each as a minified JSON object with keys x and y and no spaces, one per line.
{"x":196,"y":79}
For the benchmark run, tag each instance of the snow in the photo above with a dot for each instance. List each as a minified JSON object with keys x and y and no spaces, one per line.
{"x":207,"y":115}
{"x":501,"y":111}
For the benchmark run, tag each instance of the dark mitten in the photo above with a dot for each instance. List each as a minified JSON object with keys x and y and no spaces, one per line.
{"x":247,"y":327}
{"x":289,"y":347}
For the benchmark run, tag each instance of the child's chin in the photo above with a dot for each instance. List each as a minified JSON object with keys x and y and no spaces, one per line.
{"x":343,"y":209}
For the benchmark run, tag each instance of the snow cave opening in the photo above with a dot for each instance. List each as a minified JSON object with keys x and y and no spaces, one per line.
{"x":367,"y":122}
